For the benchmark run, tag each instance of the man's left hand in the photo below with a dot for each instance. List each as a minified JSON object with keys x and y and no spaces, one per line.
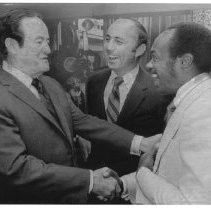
{"x":147,"y":159}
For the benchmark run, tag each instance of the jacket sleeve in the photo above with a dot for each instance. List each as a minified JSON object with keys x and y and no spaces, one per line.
{"x":129,"y":183}
{"x":153,"y":189}
{"x":95,"y":129}
{"x":26,"y":175}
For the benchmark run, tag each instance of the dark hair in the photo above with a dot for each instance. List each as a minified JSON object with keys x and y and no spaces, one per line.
{"x":10,"y":27}
{"x":192,"y":38}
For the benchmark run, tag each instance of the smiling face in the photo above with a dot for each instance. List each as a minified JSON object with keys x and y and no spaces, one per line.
{"x":120,"y":46}
{"x":32,"y":57}
{"x":164,"y":70}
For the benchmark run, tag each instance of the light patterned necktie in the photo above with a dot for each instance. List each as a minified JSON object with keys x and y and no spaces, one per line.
{"x":114,"y":101}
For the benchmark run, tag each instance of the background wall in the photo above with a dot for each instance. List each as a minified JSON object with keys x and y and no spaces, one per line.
{"x":69,"y":10}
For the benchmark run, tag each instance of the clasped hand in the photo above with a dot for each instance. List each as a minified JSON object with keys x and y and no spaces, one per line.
{"x":106,"y":184}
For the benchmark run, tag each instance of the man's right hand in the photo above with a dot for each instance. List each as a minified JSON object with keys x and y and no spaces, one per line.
{"x":111,"y":173}
{"x":105,"y":187}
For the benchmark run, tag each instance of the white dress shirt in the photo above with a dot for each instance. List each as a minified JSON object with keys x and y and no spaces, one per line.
{"x":22,"y":77}
{"x":124,"y":88}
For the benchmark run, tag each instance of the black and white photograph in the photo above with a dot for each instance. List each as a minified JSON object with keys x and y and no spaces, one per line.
{"x":105,"y":103}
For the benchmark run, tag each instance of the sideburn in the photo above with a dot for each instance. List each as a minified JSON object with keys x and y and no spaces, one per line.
{"x":170,"y":66}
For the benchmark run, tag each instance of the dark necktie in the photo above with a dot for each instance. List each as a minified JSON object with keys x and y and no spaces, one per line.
{"x":36,"y":83}
{"x":114,"y":101}
{"x":45,"y":99}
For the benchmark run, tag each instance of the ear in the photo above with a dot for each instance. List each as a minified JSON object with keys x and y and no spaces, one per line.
{"x":140,"y":50}
{"x":186,"y":61}
{"x":11,"y":45}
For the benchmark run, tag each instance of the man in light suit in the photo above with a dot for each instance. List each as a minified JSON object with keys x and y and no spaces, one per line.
{"x":141,"y":107}
{"x":180,"y":62}
{"x":38,"y":163}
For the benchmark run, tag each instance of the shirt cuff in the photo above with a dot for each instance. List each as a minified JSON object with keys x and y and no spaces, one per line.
{"x":91,"y":181}
{"x":135,"y":145}
{"x":124,"y":193}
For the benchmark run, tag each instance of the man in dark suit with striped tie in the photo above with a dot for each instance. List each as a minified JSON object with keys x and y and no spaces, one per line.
{"x":123,"y":93}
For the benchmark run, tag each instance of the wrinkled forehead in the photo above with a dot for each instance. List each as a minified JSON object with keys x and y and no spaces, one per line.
{"x":122,"y":27}
{"x":32,"y":26}
{"x":121,"y":24}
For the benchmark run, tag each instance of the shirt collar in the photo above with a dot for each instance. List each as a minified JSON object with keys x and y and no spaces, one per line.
{"x":128,"y":77}
{"x":187,"y":87}
{"x":21,"y":76}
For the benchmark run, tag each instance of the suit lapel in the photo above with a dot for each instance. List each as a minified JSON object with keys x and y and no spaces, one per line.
{"x":62,"y":108}
{"x":54,"y":96}
{"x":168,"y":135}
{"x":175,"y":120}
{"x":100,"y":92}
{"x":135,"y":96}
{"x":25,"y":95}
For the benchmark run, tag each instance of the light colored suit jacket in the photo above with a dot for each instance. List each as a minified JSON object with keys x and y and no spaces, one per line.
{"x":182,"y":172}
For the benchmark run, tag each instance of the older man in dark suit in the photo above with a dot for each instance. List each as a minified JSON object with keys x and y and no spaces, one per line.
{"x":140,"y":109}
{"x":38,"y":163}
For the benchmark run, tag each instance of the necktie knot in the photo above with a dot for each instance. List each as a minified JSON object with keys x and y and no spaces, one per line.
{"x":170,"y":109}
{"x":118,"y":81}
{"x":36,"y":83}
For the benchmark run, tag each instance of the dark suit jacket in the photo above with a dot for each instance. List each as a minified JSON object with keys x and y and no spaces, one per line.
{"x":142,"y":113}
{"x":36,"y":151}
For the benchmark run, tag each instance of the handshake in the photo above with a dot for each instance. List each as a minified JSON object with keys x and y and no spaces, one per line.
{"x":106,"y":184}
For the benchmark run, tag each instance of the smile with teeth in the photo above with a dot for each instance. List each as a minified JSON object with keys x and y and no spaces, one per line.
{"x":112,"y":58}
{"x":155,"y":76}
{"x":156,"y":79}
